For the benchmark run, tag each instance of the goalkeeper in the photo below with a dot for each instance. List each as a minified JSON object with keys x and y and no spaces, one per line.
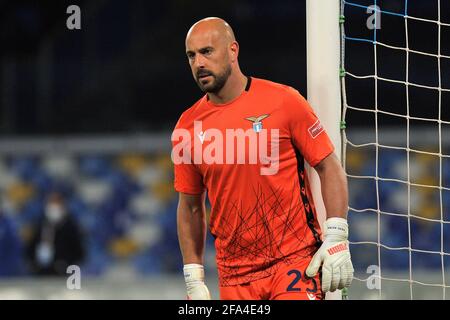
{"x":268,"y":241}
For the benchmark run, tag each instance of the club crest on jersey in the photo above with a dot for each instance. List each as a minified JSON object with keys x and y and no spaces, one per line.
{"x":257,"y":124}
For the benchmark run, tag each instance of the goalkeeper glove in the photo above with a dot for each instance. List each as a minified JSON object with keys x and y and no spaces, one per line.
{"x":334,"y":256}
{"x":194,"y":276}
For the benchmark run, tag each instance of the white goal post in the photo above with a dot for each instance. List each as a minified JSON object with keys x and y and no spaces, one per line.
{"x":385,"y":65}
{"x":323,"y":81}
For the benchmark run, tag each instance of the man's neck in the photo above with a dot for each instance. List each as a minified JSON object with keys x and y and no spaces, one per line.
{"x":232,"y":89}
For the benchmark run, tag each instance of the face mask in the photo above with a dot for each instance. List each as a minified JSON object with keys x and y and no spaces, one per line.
{"x":54,"y":212}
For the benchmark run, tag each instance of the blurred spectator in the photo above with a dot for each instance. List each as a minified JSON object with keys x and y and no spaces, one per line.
{"x":10,"y":247}
{"x":57,"y":241}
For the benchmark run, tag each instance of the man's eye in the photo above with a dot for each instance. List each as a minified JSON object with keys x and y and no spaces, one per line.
{"x":206,"y":52}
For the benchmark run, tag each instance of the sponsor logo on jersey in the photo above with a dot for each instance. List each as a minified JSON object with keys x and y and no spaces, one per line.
{"x":315,"y":129}
{"x":201,"y":136}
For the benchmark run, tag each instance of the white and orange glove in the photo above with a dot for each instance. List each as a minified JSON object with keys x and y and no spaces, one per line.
{"x":334,"y":256}
{"x":194,"y":276}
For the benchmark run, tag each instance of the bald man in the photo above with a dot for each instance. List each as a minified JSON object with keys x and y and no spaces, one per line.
{"x":244,"y":143}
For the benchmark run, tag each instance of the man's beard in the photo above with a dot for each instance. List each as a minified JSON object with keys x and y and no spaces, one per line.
{"x":217,"y":83}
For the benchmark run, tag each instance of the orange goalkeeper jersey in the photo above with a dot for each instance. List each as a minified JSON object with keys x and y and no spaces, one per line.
{"x":249,"y":155}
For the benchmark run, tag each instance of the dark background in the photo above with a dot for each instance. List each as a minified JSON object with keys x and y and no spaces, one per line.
{"x":126,"y":70}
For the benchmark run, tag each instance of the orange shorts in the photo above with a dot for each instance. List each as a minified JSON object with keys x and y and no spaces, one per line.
{"x":288,"y":283}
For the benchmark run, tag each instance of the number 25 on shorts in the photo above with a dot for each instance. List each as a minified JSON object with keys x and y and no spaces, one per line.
{"x":299,"y":283}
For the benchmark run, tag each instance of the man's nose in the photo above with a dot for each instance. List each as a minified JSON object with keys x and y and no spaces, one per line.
{"x":199,"y":61}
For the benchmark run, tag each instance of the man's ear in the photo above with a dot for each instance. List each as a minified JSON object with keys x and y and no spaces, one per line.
{"x":234,"y":47}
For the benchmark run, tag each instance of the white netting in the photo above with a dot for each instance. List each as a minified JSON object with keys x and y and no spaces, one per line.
{"x":396,"y":82}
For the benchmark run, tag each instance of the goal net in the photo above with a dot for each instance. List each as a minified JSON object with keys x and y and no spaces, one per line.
{"x":395,"y":81}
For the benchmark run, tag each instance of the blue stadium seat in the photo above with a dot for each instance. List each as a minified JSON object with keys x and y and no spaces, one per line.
{"x":94,"y":166}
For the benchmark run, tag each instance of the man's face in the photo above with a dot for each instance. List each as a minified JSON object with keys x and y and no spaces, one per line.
{"x":55,"y":209}
{"x":55,"y":199}
{"x":209,"y":60}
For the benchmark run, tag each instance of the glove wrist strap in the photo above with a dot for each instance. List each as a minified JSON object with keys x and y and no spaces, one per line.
{"x":193,"y":273}
{"x":336,"y":228}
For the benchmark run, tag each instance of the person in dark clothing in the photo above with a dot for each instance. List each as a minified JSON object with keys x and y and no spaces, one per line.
{"x":57,"y":242}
